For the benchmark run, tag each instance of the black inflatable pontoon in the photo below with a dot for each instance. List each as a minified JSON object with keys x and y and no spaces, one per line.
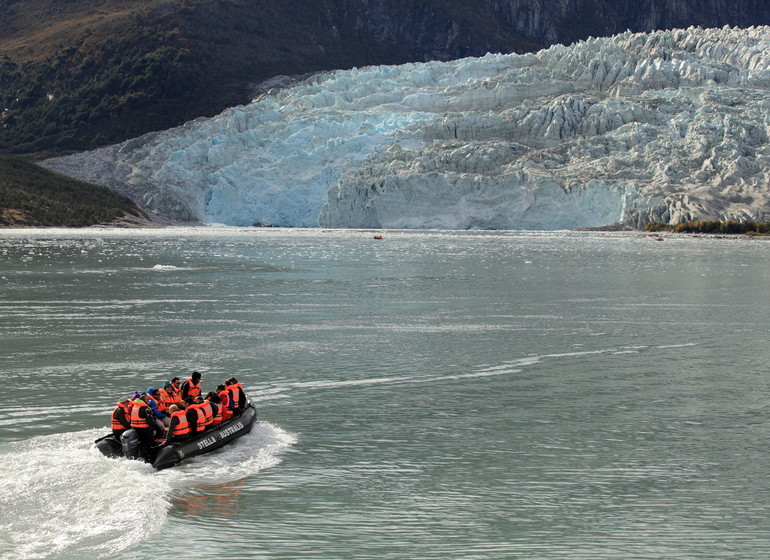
{"x":131,"y":447}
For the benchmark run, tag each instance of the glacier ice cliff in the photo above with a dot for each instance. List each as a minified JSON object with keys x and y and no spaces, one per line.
{"x":668,"y":126}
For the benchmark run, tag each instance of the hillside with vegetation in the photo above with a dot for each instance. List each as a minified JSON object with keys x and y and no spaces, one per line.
{"x":33,"y":196}
{"x":81,"y":74}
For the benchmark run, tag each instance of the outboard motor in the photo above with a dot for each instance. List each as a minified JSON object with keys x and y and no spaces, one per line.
{"x":132,"y":445}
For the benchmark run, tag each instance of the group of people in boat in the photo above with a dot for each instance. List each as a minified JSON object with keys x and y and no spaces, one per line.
{"x":178,"y":411}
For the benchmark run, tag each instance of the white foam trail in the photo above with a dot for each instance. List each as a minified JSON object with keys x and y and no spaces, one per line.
{"x":504,"y":368}
{"x":64,"y":499}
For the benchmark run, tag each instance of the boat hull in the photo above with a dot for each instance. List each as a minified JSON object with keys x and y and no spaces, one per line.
{"x":210,"y":440}
{"x":109,"y":446}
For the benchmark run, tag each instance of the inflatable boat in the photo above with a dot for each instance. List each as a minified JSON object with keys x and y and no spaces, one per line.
{"x":130,"y":446}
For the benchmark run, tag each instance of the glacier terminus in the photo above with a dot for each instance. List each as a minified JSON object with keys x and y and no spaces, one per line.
{"x":669,"y":126}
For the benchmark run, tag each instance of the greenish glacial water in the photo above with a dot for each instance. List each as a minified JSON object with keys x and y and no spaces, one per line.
{"x":430,"y":395}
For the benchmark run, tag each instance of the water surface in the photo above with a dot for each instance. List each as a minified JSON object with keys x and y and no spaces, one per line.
{"x":484,"y":395}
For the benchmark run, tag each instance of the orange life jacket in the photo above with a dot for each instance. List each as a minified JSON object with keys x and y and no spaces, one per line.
{"x":208,"y":411}
{"x":116,"y":424}
{"x":165,"y":401}
{"x":201,"y":421}
{"x":193,"y":389}
{"x":174,"y":396}
{"x":217,"y":414}
{"x":224,"y":396}
{"x":235,"y":394}
{"x":138,"y":420}
{"x":183,"y":427}
{"x":171,"y":391}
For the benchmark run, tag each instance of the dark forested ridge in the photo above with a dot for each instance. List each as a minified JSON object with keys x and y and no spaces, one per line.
{"x":77,"y":74}
{"x":32,"y":196}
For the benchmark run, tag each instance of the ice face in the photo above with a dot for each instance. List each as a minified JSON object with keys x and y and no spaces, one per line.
{"x":667,"y":126}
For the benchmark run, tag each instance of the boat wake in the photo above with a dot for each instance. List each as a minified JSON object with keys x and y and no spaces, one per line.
{"x":69,"y":501}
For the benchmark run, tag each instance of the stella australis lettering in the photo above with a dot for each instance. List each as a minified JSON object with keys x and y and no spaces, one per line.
{"x":230,"y":430}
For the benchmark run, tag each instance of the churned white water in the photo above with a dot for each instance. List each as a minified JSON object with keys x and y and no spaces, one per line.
{"x":63,"y":499}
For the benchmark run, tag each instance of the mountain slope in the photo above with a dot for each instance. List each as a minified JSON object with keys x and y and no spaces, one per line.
{"x":85,"y":73}
{"x":669,"y":126}
{"x":31,"y":196}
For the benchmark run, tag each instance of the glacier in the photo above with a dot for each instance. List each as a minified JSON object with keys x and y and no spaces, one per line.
{"x":669,"y":126}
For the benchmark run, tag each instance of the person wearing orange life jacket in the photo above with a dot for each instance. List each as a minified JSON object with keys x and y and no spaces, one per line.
{"x":191,"y":387}
{"x":216,"y":404}
{"x":176,"y":387}
{"x":121,"y":417}
{"x":160,"y":402}
{"x":172,"y":391}
{"x":199,"y":423}
{"x":208,"y":411}
{"x":161,"y":418}
{"x":191,"y":413}
{"x":237,"y":396}
{"x":142,"y":421}
{"x":179,"y":428}
{"x":166,"y":398}
{"x":224,"y":399}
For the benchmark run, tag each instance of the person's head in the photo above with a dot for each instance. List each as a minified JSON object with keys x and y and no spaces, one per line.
{"x":231,"y":381}
{"x":198,"y":399}
{"x":220,"y":388}
{"x":166,"y":385}
{"x":196,"y":376}
{"x":124,"y":400}
{"x":176,"y":382}
{"x":144,"y":397}
{"x":173,"y":408}
{"x":213,"y":397}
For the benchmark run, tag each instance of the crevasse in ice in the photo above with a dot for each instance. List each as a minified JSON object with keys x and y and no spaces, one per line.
{"x":667,"y":126}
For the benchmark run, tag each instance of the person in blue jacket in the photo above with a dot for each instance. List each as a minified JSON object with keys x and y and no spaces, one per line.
{"x":161,"y":418}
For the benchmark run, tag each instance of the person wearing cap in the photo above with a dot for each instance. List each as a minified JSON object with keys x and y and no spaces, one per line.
{"x":166,"y":400}
{"x":169,"y":394}
{"x":121,"y":417}
{"x":191,"y":387}
{"x":179,"y":428}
